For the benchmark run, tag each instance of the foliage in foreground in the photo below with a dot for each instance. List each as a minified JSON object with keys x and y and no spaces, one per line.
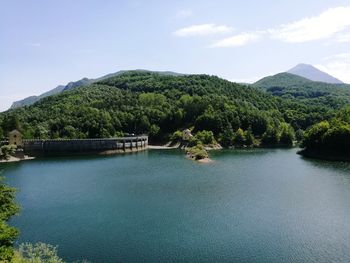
{"x":38,"y":253}
{"x":8,"y":208}
{"x":27,"y":253}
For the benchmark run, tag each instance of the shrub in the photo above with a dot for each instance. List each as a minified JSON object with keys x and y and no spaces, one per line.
{"x":6,"y":151}
{"x":270,"y":137}
{"x":206,"y":137}
{"x":8,"y":234}
{"x":197,"y":152}
{"x":177,"y":136}
{"x":287,"y":135}
{"x":239,"y":139}
{"x":249,"y":138}
{"x":226,"y":138}
{"x":38,"y":253}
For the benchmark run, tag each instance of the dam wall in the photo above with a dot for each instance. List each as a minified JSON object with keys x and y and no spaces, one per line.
{"x":84,"y":146}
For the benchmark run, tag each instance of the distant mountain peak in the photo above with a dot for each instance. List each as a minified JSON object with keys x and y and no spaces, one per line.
{"x":312,"y":73}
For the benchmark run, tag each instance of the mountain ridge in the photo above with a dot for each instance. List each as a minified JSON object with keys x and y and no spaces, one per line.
{"x":79,"y":83}
{"x":302,"y":74}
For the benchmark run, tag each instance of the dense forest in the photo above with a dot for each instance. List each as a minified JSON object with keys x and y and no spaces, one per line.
{"x":159,"y":105}
{"x":290,"y":86}
{"x":330,"y":138}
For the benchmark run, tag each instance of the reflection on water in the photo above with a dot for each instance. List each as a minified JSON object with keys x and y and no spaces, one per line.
{"x":340,"y":167}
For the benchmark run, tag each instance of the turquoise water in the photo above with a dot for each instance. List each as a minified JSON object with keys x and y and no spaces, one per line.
{"x":157,"y":206}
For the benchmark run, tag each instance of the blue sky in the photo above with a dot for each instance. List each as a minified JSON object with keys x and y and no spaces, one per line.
{"x":46,"y":43}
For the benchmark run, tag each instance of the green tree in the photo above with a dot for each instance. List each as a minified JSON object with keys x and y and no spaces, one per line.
{"x":8,"y":234}
{"x":11,"y":122}
{"x":206,"y":137}
{"x":209,"y":121}
{"x":38,"y":253}
{"x":313,"y":135}
{"x":143,"y":125}
{"x":154,"y":130}
{"x":249,"y":138}
{"x":337,"y":138}
{"x":287,"y":135}
{"x":270,"y":137}
{"x":299,"y":135}
{"x":328,"y":137}
{"x":239,"y":138}
{"x":226,"y":138}
{"x":6,"y":151}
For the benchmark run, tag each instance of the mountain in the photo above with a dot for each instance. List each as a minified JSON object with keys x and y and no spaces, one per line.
{"x":314,"y":74}
{"x":163,"y":104}
{"x":32,"y":99}
{"x":140,"y":102}
{"x":289,"y":80}
{"x":290,"y":86}
{"x":282,"y":80}
{"x":83,"y":82}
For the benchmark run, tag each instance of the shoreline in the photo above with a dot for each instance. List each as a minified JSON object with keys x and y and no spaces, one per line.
{"x":326,"y":156}
{"x":162,"y":147}
{"x":329,"y":156}
{"x":205,"y":160}
{"x":13,"y":159}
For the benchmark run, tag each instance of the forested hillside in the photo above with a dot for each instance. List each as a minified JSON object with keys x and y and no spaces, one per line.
{"x":289,"y":86}
{"x":74,"y":84}
{"x":329,"y":139}
{"x":158,"y":104}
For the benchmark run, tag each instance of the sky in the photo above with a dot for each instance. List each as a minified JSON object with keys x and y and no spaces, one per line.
{"x":46,"y":43}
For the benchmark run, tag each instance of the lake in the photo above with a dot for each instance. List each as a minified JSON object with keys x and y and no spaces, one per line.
{"x":157,"y":206}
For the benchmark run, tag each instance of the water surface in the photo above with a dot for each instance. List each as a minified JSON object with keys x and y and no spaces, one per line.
{"x":158,"y":206}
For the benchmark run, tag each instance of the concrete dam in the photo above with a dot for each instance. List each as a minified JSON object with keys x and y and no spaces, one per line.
{"x":51,"y":147}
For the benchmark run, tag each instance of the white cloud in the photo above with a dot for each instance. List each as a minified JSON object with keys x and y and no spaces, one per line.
{"x":323,"y":26}
{"x":184,"y":13}
{"x":239,"y":40}
{"x":202,"y":30}
{"x":332,"y":23}
{"x":338,"y":66}
{"x":343,"y":38}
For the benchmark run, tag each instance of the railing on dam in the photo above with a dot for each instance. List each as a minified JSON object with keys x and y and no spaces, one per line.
{"x":35,"y":147}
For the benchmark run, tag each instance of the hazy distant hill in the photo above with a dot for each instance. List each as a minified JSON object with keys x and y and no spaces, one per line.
{"x":74,"y":84}
{"x":314,"y":74}
{"x":32,"y":99}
